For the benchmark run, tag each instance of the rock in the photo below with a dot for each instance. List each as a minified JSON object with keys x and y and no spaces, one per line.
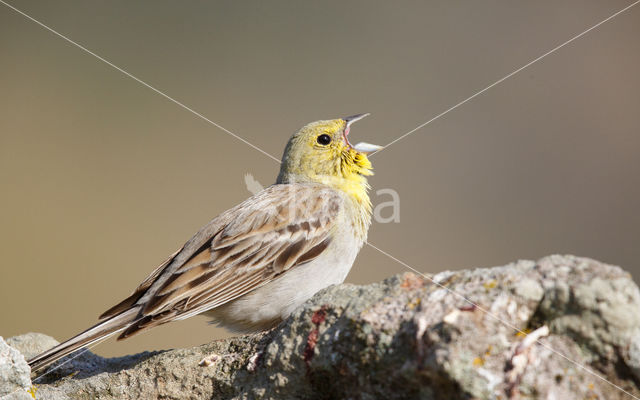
{"x":563,"y":327}
{"x":31,"y":344}
{"x":14,"y":374}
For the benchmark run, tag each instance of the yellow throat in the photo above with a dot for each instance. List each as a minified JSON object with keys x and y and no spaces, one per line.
{"x":320,"y":152}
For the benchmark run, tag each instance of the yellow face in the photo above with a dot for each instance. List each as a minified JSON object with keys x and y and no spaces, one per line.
{"x":320,"y":152}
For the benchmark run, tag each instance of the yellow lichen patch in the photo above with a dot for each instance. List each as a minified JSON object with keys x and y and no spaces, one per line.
{"x":523,"y":333}
{"x":414,"y":303}
{"x":479,"y":361}
{"x":490,"y":285}
{"x":488,"y":352}
{"x":32,"y":391}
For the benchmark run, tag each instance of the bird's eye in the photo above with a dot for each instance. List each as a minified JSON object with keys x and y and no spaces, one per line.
{"x":324,"y":139}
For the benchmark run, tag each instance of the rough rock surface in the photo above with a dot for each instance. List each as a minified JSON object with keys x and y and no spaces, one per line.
{"x":14,"y":374}
{"x":406,"y":337}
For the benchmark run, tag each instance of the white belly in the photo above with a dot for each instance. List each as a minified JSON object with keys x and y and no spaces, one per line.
{"x":269,"y":304}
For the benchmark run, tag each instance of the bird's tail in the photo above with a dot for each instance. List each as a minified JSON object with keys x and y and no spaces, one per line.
{"x":97,"y":332}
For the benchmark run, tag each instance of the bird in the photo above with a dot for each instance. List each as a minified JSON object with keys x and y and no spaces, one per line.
{"x":251,"y":266}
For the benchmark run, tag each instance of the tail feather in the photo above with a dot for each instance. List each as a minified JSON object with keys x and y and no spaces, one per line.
{"x":97,"y":332}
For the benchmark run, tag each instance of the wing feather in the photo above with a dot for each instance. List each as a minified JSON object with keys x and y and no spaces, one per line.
{"x":130,"y":301}
{"x":248,"y":246}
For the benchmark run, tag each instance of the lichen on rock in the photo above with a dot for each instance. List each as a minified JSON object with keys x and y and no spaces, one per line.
{"x":563,"y":327}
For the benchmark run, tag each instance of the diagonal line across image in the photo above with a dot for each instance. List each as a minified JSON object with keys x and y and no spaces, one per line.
{"x":487,"y":312}
{"x":504,"y":78}
{"x":140,"y":81}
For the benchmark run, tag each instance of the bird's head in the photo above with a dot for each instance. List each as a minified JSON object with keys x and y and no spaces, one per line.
{"x":320,"y":152}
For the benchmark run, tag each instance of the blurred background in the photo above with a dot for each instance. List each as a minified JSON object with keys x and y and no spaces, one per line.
{"x":101,"y":178}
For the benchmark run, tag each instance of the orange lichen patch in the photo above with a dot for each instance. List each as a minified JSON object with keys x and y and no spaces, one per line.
{"x":490,"y":285}
{"x":412,"y":281}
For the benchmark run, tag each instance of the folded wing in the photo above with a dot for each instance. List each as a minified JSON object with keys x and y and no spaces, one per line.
{"x":278,"y":229}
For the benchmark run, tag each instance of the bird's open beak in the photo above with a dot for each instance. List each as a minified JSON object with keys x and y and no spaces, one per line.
{"x":361,"y":147}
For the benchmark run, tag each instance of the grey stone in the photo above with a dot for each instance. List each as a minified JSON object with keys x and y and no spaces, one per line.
{"x":14,"y":374}
{"x":529,"y":289}
{"x":406,"y":337}
{"x":31,"y":344}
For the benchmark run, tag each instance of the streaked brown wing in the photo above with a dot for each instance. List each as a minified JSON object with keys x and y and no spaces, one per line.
{"x":140,"y":290}
{"x":247,"y":247}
